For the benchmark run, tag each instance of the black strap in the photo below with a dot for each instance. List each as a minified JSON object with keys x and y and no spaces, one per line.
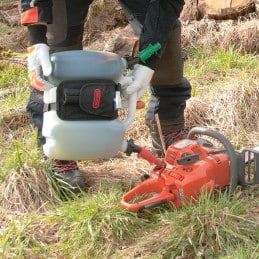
{"x":49,"y":107}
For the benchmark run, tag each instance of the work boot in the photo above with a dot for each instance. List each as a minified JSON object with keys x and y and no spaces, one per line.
{"x":68,"y":173}
{"x":157,"y":147}
{"x":171,"y":138}
{"x":182,"y":134}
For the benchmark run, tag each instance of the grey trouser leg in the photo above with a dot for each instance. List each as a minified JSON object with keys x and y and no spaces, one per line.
{"x":65,"y":33}
{"x":169,"y":92}
{"x":170,"y":89}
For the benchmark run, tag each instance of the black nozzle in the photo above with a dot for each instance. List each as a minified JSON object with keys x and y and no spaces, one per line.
{"x":131,"y":61}
{"x":132,"y":148}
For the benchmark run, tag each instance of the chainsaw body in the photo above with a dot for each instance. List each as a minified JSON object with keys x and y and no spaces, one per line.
{"x":189,"y":169}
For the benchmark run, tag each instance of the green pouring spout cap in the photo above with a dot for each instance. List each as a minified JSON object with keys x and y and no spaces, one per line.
{"x":150,"y":50}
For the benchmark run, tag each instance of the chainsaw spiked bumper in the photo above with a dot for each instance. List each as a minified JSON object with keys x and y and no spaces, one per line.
{"x":249,"y":167}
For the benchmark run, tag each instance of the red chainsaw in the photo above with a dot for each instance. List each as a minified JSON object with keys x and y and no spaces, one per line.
{"x":188,"y":169}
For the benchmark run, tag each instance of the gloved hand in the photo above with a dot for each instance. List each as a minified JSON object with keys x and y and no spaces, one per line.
{"x":38,"y":63}
{"x":142,"y":76}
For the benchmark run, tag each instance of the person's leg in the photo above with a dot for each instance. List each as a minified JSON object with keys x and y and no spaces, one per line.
{"x":169,"y":93}
{"x":169,"y":90}
{"x":65,"y":33}
{"x":135,"y":12}
{"x":34,"y":109}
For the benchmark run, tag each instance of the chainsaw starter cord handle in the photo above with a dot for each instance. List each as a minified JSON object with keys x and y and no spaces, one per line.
{"x":229,"y":148}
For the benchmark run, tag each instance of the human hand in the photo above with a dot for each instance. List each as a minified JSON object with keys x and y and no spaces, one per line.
{"x":39,"y":61}
{"x":142,"y":76}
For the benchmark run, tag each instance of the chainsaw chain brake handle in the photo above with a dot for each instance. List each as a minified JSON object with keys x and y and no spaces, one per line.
{"x":234,"y":163}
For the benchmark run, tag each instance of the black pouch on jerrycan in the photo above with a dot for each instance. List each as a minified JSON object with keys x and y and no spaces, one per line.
{"x":87,"y":100}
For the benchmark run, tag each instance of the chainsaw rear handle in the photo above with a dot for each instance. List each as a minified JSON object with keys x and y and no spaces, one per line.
{"x":152,"y":186}
{"x":229,"y":148}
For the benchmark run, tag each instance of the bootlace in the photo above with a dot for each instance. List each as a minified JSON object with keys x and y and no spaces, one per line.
{"x":65,"y":165}
{"x":177,"y":134}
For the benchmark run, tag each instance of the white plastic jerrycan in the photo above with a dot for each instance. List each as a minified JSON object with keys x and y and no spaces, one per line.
{"x":84,"y":139}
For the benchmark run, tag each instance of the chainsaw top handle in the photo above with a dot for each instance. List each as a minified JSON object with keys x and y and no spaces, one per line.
{"x":229,"y":149}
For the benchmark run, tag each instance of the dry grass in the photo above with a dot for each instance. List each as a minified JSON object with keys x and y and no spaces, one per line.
{"x":26,"y":190}
{"x":213,"y":35}
{"x":234,"y":111}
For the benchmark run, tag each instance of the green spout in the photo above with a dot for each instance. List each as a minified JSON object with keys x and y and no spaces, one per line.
{"x":150,"y":50}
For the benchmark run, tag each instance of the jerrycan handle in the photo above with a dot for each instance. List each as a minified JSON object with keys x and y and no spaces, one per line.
{"x":39,"y":77}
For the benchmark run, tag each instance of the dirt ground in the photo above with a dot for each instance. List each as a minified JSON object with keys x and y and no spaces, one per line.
{"x":123,"y":169}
